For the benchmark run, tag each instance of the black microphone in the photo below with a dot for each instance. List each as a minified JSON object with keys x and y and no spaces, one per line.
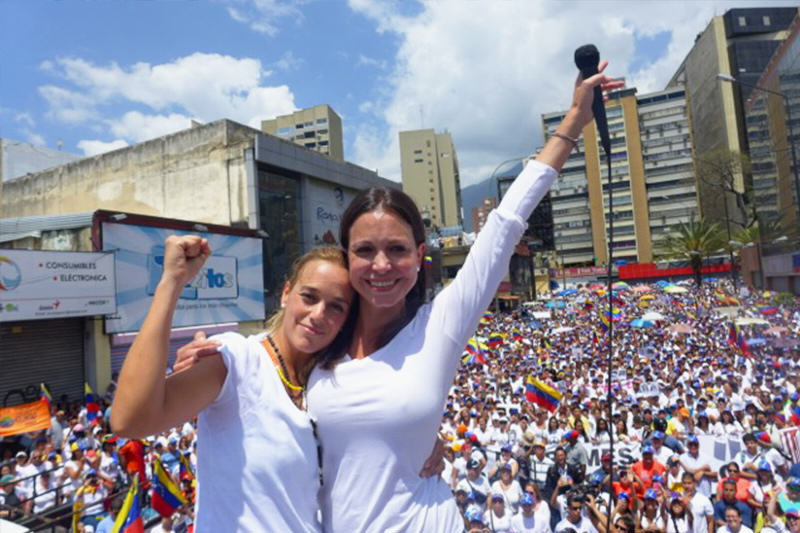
{"x":587,"y":58}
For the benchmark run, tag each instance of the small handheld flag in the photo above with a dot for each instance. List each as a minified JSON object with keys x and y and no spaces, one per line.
{"x":90,"y":400}
{"x":129,"y":519}
{"x":46,"y":396}
{"x":165,"y":498}
{"x":542,"y":394}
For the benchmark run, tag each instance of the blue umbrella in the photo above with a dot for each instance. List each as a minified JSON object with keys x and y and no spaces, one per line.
{"x":641,"y":323}
{"x":554,"y":304}
{"x":567,"y":292}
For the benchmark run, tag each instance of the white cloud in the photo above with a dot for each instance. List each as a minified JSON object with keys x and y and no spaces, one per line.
{"x":367,"y":61}
{"x":487,"y":74}
{"x":143,"y":100}
{"x":91,"y":148}
{"x":262,"y":16}
{"x":288,"y":61}
{"x":35,"y":139}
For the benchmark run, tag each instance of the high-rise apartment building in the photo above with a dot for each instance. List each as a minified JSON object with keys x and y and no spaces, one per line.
{"x":773,"y":128}
{"x":430,"y":175}
{"x":652,"y":180}
{"x":738,"y":43}
{"x":317,"y":128}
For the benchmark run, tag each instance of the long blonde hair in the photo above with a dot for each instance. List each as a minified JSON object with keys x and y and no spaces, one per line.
{"x":341,"y":342}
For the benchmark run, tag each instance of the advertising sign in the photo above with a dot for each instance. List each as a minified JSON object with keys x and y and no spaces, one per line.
{"x":229,"y":287}
{"x":327,"y":203}
{"x":36,"y":285}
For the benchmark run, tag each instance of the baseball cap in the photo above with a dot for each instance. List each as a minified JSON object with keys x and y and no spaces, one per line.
{"x":91,"y":472}
{"x":474,"y":515}
{"x":21,"y":453}
{"x":8,"y":478}
{"x":506,"y":448}
{"x":497,"y":497}
{"x":605,"y":457}
{"x":506,"y":466}
{"x":651,"y":494}
{"x":658,"y":435}
{"x":526,"y":499}
{"x":765,"y":466}
{"x":472,"y":463}
{"x":572,"y":434}
{"x":793,"y":483}
{"x":764,"y":437}
{"x":692,"y":439}
{"x":647,"y":449}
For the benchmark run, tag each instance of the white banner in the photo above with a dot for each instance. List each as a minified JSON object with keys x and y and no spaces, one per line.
{"x":39,"y":284}
{"x":229,"y":288}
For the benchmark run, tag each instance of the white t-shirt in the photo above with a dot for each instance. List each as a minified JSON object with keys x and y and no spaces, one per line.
{"x":378,"y":416}
{"x":701,"y":508}
{"x":583,"y":526}
{"x":512,"y":495}
{"x":742,"y":529}
{"x":498,"y":524}
{"x":45,"y":498}
{"x":256,"y":454}
{"x":521,"y":524}
{"x":704,"y":485}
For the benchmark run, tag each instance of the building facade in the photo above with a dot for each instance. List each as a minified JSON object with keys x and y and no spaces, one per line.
{"x":482,"y":211}
{"x":317,"y":128}
{"x":772,"y":135}
{"x":19,"y":158}
{"x":651,"y":178}
{"x":429,"y":167}
{"x":738,"y":43}
{"x":222,"y":175}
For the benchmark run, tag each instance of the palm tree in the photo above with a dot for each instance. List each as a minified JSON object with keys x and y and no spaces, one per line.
{"x":693,"y":242}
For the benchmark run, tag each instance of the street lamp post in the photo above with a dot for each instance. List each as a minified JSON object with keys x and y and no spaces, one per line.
{"x":731,"y":79}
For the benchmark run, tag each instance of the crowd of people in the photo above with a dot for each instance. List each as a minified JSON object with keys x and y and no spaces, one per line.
{"x":515,"y":466}
{"x":706,"y":367}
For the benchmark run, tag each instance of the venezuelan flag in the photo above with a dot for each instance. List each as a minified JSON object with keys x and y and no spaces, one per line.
{"x":516,"y":334}
{"x":605,"y":321}
{"x":796,"y":415}
{"x":542,"y":394}
{"x":90,"y":400}
{"x":486,"y":317}
{"x":46,"y":396}
{"x":129,"y":519}
{"x":166,"y":498}
{"x":428,"y":260}
{"x":732,"y":334}
{"x":185,"y":467}
{"x":495,"y":340}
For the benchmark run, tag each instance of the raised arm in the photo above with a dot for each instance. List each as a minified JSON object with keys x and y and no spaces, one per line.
{"x":146,"y":402}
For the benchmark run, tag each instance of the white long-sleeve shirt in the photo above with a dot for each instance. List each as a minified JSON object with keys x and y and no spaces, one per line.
{"x":378,"y":416}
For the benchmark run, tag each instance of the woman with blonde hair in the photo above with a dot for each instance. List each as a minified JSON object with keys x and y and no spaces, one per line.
{"x":257,"y":453}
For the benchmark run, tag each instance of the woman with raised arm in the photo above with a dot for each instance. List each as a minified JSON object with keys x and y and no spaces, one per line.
{"x":378,"y":405}
{"x":257,"y":455}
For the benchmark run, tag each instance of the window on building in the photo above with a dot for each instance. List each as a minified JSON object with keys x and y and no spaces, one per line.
{"x":742,"y":21}
{"x":322,"y":120}
{"x":323,"y":132}
{"x":323,"y":143}
{"x":308,"y":124}
{"x":428,"y":144}
{"x":309,"y":135}
{"x":417,"y":152}
{"x":284,"y":131}
{"x":310,"y":145}
{"x":765,"y":20}
{"x":298,"y":126}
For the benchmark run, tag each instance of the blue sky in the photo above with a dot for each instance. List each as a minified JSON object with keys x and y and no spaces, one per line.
{"x":101,"y":75}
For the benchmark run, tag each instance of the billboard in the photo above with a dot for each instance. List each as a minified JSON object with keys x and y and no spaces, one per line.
{"x":38,"y":284}
{"x":229,"y":287}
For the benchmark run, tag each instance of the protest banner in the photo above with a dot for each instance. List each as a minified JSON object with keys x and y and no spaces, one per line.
{"x":24,"y":418}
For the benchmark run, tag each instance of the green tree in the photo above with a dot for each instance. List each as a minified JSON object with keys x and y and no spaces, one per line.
{"x":693,"y":242}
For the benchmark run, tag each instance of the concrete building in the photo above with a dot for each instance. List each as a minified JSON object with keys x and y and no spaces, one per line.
{"x":771,"y":133}
{"x":18,"y":158}
{"x":222,"y":176}
{"x":738,"y":43}
{"x":430,"y":175}
{"x":317,"y":128}
{"x":652,"y":180}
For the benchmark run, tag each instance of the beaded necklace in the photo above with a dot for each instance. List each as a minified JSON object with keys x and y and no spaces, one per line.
{"x":295,"y":392}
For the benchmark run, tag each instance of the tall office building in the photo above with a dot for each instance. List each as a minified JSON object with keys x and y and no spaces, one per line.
{"x":773,"y":131}
{"x":652,"y":180}
{"x":430,"y":175}
{"x":738,"y":43}
{"x":317,"y":128}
